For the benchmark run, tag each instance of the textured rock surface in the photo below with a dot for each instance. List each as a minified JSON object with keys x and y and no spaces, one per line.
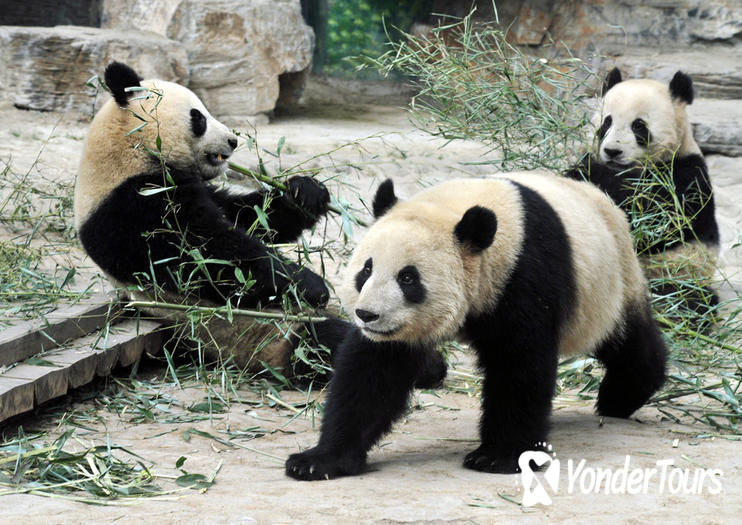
{"x":46,"y":68}
{"x":616,"y":25}
{"x":236,"y":49}
{"x":717,"y":125}
{"x":652,"y":39}
{"x":139,"y":15}
{"x":716,"y":73}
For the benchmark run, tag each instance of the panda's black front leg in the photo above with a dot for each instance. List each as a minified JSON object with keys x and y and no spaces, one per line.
{"x":289,"y":213}
{"x":519,"y":382}
{"x":368,"y":392}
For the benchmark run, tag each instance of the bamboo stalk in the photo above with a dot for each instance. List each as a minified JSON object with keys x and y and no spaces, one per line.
{"x":224,"y":310}
{"x":270,"y":181}
{"x":667,"y":322}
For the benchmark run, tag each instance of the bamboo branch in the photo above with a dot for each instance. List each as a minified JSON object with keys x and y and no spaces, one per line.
{"x":270,"y":181}
{"x":224,"y":310}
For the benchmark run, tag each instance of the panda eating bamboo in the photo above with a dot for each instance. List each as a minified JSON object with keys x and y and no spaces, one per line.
{"x":147,"y":215}
{"x":646,"y":159}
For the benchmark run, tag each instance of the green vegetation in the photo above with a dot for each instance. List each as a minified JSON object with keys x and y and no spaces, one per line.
{"x":361,"y":28}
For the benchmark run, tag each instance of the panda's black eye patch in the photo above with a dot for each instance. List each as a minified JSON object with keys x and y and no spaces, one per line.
{"x":641,"y":132}
{"x":408,"y":279}
{"x":198,"y":123}
{"x":364,"y":274}
{"x":605,"y":127}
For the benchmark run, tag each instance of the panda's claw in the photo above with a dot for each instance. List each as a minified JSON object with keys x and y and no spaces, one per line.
{"x":485,"y":461}
{"x":309,"y":194}
{"x":312,"y":287}
{"x":314,"y":465}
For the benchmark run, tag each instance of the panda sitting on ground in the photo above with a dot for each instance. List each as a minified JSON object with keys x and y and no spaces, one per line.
{"x":646,"y":160}
{"x":152,"y":221}
{"x":526,"y":268}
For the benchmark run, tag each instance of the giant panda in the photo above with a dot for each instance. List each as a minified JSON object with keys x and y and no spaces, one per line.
{"x":526,"y":267}
{"x":647,"y":160}
{"x":147,"y":215}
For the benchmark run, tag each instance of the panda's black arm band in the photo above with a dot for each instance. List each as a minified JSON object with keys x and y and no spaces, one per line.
{"x":285,"y":218}
{"x":238,"y":207}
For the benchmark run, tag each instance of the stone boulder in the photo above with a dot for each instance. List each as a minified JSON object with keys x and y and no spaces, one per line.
{"x":716,"y":73}
{"x":716,"y":125}
{"x":46,"y":68}
{"x":237,"y":49}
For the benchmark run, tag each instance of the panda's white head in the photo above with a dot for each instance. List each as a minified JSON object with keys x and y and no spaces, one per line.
{"x":643,"y":119}
{"x":409,"y":278}
{"x":124,"y":133}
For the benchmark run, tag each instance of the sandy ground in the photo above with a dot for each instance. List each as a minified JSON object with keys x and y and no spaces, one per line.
{"x":416,"y":473}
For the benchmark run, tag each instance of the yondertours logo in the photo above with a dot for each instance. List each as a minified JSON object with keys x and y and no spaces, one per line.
{"x":662,"y":478}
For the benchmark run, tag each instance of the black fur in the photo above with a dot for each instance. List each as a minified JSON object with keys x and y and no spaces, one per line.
{"x":149,"y":239}
{"x":692,"y":188}
{"x":368,"y":392}
{"x":476,"y":229}
{"x":384,"y":198}
{"x":604,"y":127}
{"x":364,"y":274}
{"x":118,"y":77}
{"x":613,"y":78}
{"x":641,"y":132}
{"x":517,"y":345}
{"x":198,"y":123}
{"x":517,"y":342}
{"x":635,"y":364}
{"x":681,"y":87}
{"x":330,"y":334}
{"x":412,"y":288}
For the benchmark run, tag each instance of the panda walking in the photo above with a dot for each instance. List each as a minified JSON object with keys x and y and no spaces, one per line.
{"x":526,"y":267}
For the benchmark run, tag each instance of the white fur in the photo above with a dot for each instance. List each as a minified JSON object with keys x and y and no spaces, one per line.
{"x":666,"y":119}
{"x":110,"y":156}
{"x":419,"y":232}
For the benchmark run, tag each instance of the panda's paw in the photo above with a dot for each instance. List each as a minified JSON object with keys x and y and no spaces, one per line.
{"x":433,"y":370}
{"x":487,"y":461}
{"x":311,"y":196}
{"x":314,"y":464}
{"x":312,"y":287}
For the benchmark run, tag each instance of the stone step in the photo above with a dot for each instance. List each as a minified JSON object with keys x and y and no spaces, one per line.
{"x":717,"y":125}
{"x":25,"y":386}
{"x":716,"y":73}
{"x":28,"y":338}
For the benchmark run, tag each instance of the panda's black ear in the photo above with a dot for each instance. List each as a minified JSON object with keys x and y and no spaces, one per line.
{"x":384,"y":198}
{"x":681,"y":87}
{"x":118,"y":77}
{"x":612,"y":78}
{"x":476,"y":229}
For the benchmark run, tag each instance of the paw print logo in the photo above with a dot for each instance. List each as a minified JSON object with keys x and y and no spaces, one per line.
{"x":534,"y":491}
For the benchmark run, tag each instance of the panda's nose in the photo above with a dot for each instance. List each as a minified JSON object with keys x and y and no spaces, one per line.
{"x":232,"y":142}
{"x":612,"y":153}
{"x":366,"y":316}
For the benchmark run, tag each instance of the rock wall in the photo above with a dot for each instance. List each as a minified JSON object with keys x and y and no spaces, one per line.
{"x":236,"y":49}
{"x":46,"y":68}
{"x":230,"y":52}
{"x":651,"y":39}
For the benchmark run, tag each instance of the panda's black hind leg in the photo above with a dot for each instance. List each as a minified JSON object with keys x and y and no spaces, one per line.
{"x":635,"y":365}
